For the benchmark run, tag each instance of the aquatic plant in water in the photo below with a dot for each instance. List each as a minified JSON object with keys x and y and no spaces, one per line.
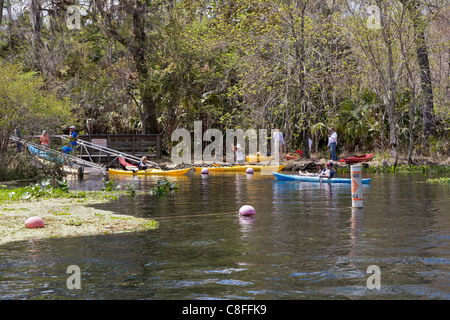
{"x":46,"y":190}
{"x":131,"y":189}
{"x":443,"y":180}
{"x":110,"y":185}
{"x":163,"y":187}
{"x":36,"y":191}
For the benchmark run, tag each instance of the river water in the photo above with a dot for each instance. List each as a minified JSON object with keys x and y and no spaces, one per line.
{"x":305,"y":242}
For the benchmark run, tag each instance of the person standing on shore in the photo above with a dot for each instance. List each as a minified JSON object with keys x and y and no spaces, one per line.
{"x":240,"y":158}
{"x":278,"y":138}
{"x":45,"y":140}
{"x":73,"y":138}
{"x":332,"y":143}
{"x":309,"y":146}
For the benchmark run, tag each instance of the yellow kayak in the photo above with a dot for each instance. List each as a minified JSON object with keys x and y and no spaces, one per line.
{"x":156,"y":172}
{"x":258,"y":158}
{"x":239,"y":168}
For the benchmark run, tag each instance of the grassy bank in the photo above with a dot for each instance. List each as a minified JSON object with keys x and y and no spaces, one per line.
{"x":65,"y":214}
{"x":376,"y":165}
{"x":444,"y":180}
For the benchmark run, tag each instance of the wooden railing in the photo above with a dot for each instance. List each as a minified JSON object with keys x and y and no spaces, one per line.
{"x":134,"y":144}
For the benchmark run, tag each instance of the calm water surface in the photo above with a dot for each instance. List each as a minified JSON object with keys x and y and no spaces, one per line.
{"x":305,"y":242}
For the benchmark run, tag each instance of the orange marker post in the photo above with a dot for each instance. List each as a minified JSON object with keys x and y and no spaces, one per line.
{"x":356,"y":179}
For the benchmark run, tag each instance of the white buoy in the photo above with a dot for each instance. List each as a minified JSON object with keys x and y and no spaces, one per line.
{"x":355,"y":175}
{"x":247,"y":211}
{"x":205,"y":171}
{"x":249,"y":170}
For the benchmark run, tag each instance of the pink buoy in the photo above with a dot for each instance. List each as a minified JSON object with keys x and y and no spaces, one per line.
{"x":34,"y":222}
{"x":249,"y":170}
{"x":247,"y":211}
{"x":205,"y":171}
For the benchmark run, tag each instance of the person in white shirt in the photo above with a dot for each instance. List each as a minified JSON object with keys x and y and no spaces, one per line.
{"x":309,"y":145}
{"x":328,"y":171}
{"x":240,"y":158}
{"x":278,"y":136}
{"x":332,"y":142}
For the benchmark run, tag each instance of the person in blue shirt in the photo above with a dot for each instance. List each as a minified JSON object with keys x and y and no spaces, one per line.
{"x":73,"y":138}
{"x":142,"y":165}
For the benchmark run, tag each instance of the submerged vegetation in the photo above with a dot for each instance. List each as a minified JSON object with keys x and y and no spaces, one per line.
{"x":64,"y":212}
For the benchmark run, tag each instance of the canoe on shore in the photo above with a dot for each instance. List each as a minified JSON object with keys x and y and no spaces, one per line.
{"x":360,"y":158}
{"x":148,"y":172}
{"x":239,"y":168}
{"x":292,"y":155}
{"x":46,"y":155}
{"x":291,"y":177}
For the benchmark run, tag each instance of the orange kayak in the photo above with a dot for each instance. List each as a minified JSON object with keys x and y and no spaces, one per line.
{"x":360,"y":158}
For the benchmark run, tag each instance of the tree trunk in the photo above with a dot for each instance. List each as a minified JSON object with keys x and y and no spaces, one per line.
{"x":412,"y":107}
{"x":139,"y":46}
{"x":1,"y":11}
{"x":300,"y":56}
{"x":425,"y":71}
{"x":391,"y":87}
{"x":35,"y":20}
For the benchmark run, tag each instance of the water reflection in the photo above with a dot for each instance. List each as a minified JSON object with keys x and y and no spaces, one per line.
{"x":247,"y":225}
{"x":305,"y":242}
{"x":34,"y":250}
{"x":355,"y":235}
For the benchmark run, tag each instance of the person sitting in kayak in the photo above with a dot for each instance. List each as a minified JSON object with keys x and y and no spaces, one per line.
{"x":328,"y":171}
{"x":142,"y":165}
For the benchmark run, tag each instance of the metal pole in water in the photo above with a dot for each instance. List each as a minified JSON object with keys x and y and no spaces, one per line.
{"x":81,"y":172}
{"x":357,"y":197}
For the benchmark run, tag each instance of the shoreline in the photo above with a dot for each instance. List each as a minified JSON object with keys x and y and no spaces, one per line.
{"x":65,"y":217}
{"x":303,"y":163}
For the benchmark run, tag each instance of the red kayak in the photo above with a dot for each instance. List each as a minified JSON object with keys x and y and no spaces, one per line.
{"x":360,"y":158}
{"x":126,"y":164}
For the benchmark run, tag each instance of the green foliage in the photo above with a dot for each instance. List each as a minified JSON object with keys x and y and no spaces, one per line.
{"x":444,"y":180}
{"x":46,"y":189}
{"x":62,"y":185}
{"x":131,"y":189}
{"x":35,"y":191}
{"x":25,"y":104}
{"x":110,"y":185}
{"x":163,"y":187}
{"x":299,"y":65}
{"x":398,"y":169}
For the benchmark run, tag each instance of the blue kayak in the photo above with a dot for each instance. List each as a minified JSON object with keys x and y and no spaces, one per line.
{"x":47,"y":155}
{"x":291,"y":177}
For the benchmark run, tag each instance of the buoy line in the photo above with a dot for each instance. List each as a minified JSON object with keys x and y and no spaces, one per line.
{"x":194,"y":215}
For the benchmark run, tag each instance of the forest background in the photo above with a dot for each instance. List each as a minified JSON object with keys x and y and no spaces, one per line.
{"x":377,"y":71}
